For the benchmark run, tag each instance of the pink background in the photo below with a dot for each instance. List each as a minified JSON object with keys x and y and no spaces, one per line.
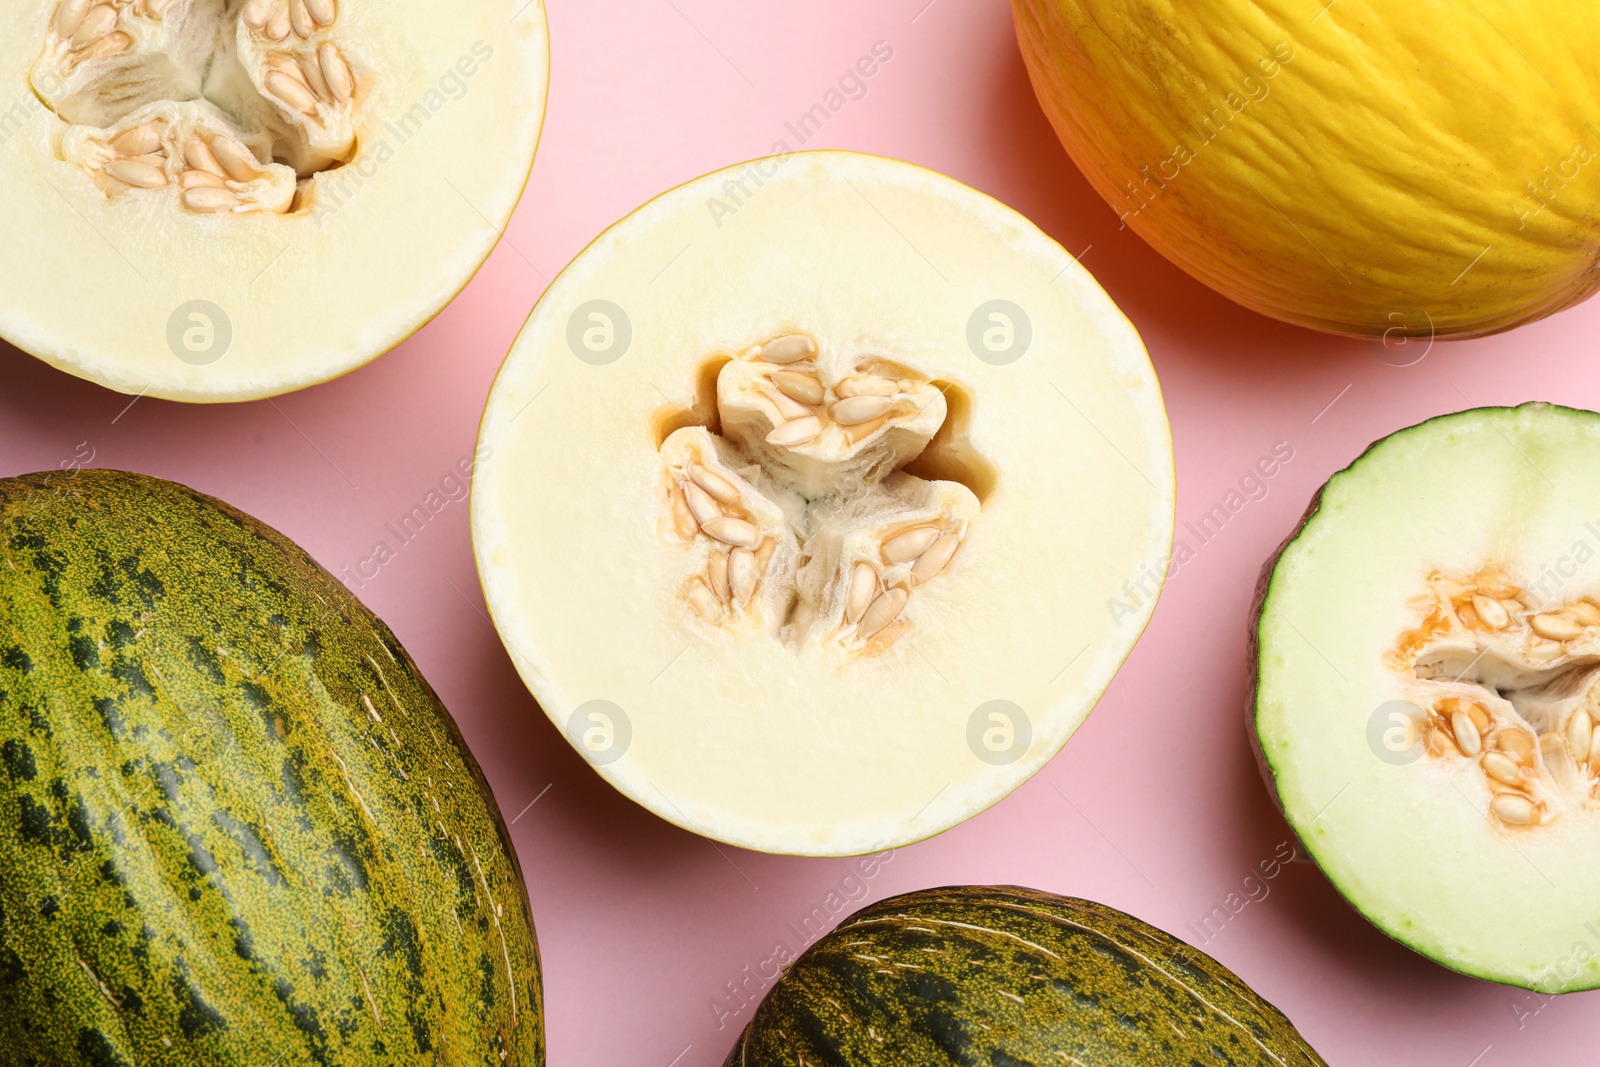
{"x":642,"y":926}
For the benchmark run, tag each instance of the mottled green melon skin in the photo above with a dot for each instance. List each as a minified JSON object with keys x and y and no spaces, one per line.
{"x":997,"y":976}
{"x":236,"y":825}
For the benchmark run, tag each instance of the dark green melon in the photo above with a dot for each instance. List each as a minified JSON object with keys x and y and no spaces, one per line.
{"x":236,"y":825}
{"x":997,"y":976}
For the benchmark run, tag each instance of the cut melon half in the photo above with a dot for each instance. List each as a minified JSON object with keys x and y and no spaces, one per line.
{"x":1428,"y":684}
{"x":213,"y":200}
{"x":810,"y":492}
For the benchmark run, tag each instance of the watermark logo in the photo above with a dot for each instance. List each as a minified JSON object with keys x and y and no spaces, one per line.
{"x":1401,"y":335}
{"x":199,"y":333}
{"x":601,"y":731}
{"x":999,"y":332}
{"x":999,"y":732}
{"x":599,"y":333}
{"x":1397,"y":732}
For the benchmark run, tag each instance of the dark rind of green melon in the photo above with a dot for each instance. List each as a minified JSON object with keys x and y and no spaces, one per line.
{"x":236,"y":825}
{"x":998,"y":976}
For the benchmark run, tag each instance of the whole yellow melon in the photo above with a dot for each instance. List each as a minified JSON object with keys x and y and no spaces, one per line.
{"x":1356,"y":166}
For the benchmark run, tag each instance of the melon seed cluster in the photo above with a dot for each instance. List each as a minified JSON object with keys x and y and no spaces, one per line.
{"x":110,"y":68}
{"x":802,"y":488}
{"x":1512,"y":686}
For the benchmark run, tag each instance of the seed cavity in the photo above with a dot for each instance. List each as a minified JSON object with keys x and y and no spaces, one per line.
{"x":1512,"y":684}
{"x":291,"y":55}
{"x":825,"y":547}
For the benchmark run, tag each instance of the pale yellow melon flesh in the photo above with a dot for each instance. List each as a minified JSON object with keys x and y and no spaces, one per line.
{"x":779,"y":733}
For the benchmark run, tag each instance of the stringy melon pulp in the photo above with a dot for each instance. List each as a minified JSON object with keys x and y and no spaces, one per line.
{"x":215,"y":200}
{"x":1427,"y":679}
{"x":800,"y":540}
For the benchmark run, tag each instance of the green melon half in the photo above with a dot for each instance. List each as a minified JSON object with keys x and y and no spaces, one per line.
{"x":1426,"y":687}
{"x":997,"y":976}
{"x":237,"y":828}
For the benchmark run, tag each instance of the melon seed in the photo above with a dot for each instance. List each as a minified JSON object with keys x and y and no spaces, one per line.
{"x":795,"y":432}
{"x":69,"y":16}
{"x":1514,"y":810}
{"x":311,"y":73}
{"x":1502,"y":768}
{"x":742,"y":574}
{"x":704,"y":601}
{"x":907,"y":545}
{"x":292,"y":91}
{"x":234,"y":158}
{"x":1491,"y":612}
{"x":788,"y":408}
{"x":133,"y":172}
{"x":852,"y":411}
{"x":933,"y":562}
{"x":701,"y":506}
{"x":300,"y":18}
{"x":866,"y":385}
{"x":1544,"y":650}
{"x":790,"y":348}
{"x":139,"y":141}
{"x":731,"y":531}
{"x":277,"y":27}
{"x":1587,"y":612}
{"x":336,"y":72}
{"x":209,"y":200}
{"x":800,"y":387}
{"x":719,"y":487}
{"x":323,"y":11}
{"x":1466,"y":734}
{"x":96,"y":24}
{"x":717,"y":574}
{"x":195,"y":179}
{"x":863,"y":590}
{"x":199,"y":156}
{"x":1580,"y":735}
{"x":1555,"y":627}
{"x":882,"y":611}
{"x":1517,"y":743}
{"x":256,"y":13}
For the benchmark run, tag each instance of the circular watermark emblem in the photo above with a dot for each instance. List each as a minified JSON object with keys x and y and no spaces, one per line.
{"x":999,"y":732}
{"x":601,"y":731}
{"x":999,"y":332}
{"x":599,"y":332}
{"x":1397,"y":732}
{"x":199,"y":333}
{"x":1401,"y":336}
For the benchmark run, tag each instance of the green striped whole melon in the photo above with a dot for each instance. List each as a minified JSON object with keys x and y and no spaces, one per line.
{"x":236,"y":825}
{"x":997,"y":976}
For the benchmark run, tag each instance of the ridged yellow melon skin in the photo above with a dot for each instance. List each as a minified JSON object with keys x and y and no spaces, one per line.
{"x":1360,"y":167}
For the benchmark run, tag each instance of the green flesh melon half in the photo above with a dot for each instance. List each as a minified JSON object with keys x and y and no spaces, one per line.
{"x":999,"y":976}
{"x":237,"y":827}
{"x":1427,"y":671}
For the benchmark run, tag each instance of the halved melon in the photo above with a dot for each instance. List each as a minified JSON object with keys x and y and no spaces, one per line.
{"x":217,"y":200}
{"x":812,"y":490}
{"x":1428,"y":682}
